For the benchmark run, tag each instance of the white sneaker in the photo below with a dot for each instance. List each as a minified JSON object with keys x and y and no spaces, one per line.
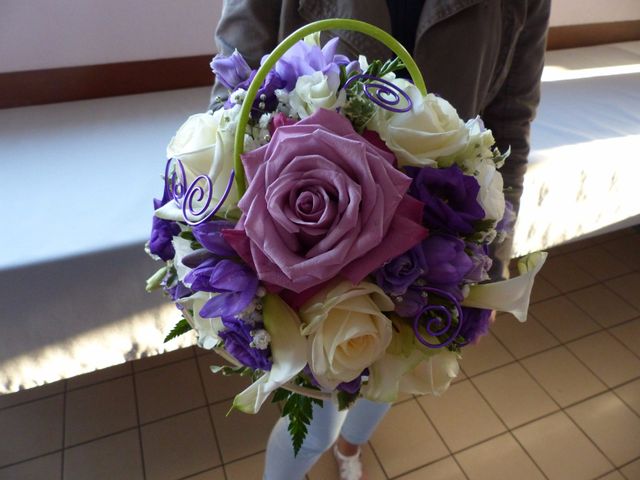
{"x":350,"y":467}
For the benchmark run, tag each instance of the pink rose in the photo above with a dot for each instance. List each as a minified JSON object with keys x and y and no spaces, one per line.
{"x":323,"y":201}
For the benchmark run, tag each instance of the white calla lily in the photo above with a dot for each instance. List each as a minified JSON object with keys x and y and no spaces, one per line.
{"x":288,"y":349}
{"x":207,"y":329}
{"x":182,"y":247}
{"x":509,"y":295}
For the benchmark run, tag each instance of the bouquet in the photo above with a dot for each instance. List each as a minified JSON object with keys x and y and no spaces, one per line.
{"x":326,"y":230}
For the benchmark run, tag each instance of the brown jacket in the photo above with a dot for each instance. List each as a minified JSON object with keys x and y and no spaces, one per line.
{"x":484,"y":56}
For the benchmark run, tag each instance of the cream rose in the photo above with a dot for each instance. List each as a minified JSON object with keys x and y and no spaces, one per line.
{"x":204,"y":145}
{"x":347,"y":331}
{"x":313,"y":92}
{"x":431,"y":129}
{"x":490,"y":196}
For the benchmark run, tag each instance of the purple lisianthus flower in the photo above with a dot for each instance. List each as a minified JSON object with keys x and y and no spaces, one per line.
{"x":481,"y":263}
{"x":475,"y":323}
{"x":450,"y":198}
{"x":305,"y":59}
{"x":235,"y":284}
{"x":352,"y":386}
{"x":445,"y":259}
{"x":239,"y":342}
{"x":506,"y":225}
{"x":162,"y":233}
{"x":178,"y":291}
{"x":231,"y":71}
{"x":396,"y":276}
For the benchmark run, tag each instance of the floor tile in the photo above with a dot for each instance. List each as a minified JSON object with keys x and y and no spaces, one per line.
{"x":215,"y":474}
{"x":615,"y":475}
{"x":42,"y":468}
{"x":603,"y":305}
{"x":168,"y":390}
{"x":100,"y":410}
{"x":31,"y":394}
{"x":631,"y":471}
{"x":242,"y":434}
{"x":405,"y":440}
{"x":327,"y":469}
{"x":514,"y":395}
{"x":446,"y":469}
{"x":100,"y":375}
{"x":462,"y":416}
{"x":561,"y":450}
{"x":498,"y":459}
{"x":599,"y":263}
{"x":625,"y":249}
{"x":246,"y":469}
{"x":219,"y":387}
{"x":630,"y":394}
{"x":22,"y":429}
{"x":117,"y":456}
{"x":627,"y":287}
{"x":179,"y":446}
{"x":522,"y":339}
{"x":563,"y":376}
{"x":629,"y":334}
{"x":485,"y":355}
{"x":543,"y":289}
{"x":163,"y":359}
{"x":563,"y":319}
{"x":611,"y":425}
{"x":565,"y":274}
{"x":607,"y":358}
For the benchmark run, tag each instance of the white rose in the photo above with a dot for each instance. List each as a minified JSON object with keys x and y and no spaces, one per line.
{"x":347,"y":331}
{"x":204,"y":145}
{"x":490,"y":196}
{"x":313,"y":92}
{"x":431,"y":129}
{"x":478,"y":148}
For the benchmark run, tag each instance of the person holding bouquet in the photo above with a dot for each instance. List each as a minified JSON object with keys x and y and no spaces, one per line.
{"x":484,"y":56}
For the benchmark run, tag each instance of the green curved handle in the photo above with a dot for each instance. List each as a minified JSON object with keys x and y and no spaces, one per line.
{"x":286,"y":44}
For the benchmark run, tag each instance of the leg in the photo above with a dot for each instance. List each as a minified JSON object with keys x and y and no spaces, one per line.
{"x":362,"y":420}
{"x":280,"y":462}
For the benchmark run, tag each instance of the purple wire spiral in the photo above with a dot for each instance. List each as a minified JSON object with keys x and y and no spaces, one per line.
{"x":382,"y":92}
{"x":435,"y":326}
{"x":176,"y":187}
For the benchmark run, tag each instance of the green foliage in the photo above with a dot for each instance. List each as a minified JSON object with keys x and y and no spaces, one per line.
{"x":180,"y":328}
{"x":299,"y":409}
{"x":346,"y":399}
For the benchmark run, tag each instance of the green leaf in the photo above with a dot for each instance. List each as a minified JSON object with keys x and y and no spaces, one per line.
{"x":299,"y":409}
{"x":346,"y":399}
{"x":280,"y":395}
{"x":180,"y":328}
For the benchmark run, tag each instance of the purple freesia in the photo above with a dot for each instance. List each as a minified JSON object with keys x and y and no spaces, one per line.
{"x":475,"y":323}
{"x":450,"y":198}
{"x":162,"y":233}
{"x":396,"y":276}
{"x":305,"y":59}
{"x":481,"y":263}
{"x":209,"y":235}
{"x":446,"y":261}
{"x":178,"y":291}
{"x":238,"y":340}
{"x":231,"y":71}
{"x":235,"y":284}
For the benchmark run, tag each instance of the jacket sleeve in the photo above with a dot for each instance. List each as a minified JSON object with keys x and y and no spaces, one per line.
{"x":251,"y":27}
{"x":510,"y":113}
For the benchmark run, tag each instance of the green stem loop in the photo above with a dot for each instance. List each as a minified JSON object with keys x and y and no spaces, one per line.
{"x":286,"y":44}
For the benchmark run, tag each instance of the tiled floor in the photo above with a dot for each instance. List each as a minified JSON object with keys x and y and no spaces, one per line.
{"x":555,"y":398}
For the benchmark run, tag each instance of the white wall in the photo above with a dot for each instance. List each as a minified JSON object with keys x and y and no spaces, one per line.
{"x":577,"y":12}
{"x":37,"y":34}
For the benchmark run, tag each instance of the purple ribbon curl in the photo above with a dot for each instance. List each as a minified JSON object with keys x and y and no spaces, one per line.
{"x":440,"y":324}
{"x":382,"y":92}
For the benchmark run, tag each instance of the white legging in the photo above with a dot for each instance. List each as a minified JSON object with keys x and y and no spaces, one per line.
{"x":355,"y":425}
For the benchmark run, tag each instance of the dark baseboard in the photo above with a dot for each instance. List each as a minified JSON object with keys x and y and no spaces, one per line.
{"x":574,"y":36}
{"x":37,"y":87}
